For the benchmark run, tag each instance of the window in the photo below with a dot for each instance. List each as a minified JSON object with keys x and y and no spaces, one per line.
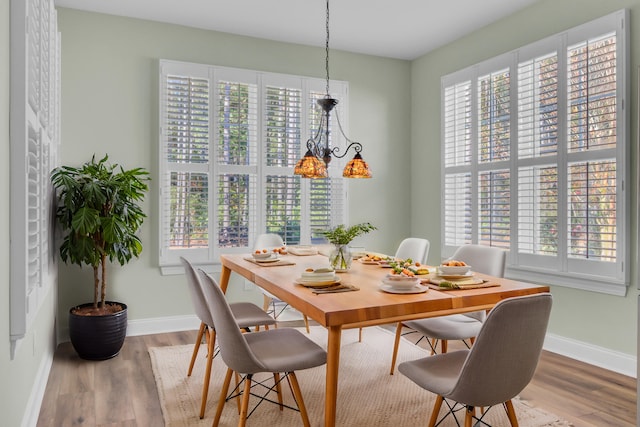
{"x":534,"y":150}
{"x":230,"y":139}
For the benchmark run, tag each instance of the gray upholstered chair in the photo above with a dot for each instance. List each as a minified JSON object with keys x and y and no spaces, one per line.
{"x":415,"y":248}
{"x":248,"y":315}
{"x":500,"y":364}
{"x":483,"y":259}
{"x":270,"y":241}
{"x":275,"y":351}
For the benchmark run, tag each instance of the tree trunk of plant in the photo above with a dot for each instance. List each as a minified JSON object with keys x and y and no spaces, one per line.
{"x":96,"y":284}
{"x":103,"y":263}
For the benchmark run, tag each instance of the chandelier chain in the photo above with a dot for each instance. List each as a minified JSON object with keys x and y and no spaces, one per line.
{"x":326,"y":48}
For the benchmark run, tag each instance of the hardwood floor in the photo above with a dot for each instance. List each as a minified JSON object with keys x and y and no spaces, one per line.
{"x":121,"y":391}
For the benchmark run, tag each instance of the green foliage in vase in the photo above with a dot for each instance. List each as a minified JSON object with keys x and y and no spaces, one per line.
{"x":341,"y":235}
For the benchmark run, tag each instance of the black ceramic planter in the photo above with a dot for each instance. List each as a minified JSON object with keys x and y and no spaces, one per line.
{"x":98,"y":337}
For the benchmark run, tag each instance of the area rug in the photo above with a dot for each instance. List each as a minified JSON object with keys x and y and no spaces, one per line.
{"x":367,"y":394}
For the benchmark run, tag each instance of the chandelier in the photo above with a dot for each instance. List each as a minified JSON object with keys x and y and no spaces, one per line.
{"x":316,"y":160}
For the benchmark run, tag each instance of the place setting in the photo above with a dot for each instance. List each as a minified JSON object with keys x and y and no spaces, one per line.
{"x":402,"y":278}
{"x":269,"y":257}
{"x":457,"y":275}
{"x":323,"y":280}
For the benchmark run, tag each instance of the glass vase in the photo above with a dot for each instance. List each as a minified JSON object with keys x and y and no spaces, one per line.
{"x":340,"y":258}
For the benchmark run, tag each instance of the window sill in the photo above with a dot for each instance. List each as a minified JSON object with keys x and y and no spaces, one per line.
{"x":174,"y":270}
{"x":583,"y":282}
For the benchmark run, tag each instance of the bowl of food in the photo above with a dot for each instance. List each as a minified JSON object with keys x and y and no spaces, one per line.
{"x":400,"y":281}
{"x":261,"y":254}
{"x":454,"y":268}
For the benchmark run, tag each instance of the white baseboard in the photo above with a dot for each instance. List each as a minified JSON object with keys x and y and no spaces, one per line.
{"x":161,"y":325}
{"x":32,"y":411}
{"x":605,"y":358}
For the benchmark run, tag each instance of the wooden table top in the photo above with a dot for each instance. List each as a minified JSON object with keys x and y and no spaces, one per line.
{"x":369,"y":305}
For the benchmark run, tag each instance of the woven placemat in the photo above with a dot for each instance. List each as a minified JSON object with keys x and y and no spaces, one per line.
{"x":278,"y":263}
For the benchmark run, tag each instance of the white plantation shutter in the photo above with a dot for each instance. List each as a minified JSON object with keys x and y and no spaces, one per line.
{"x":494,"y":117}
{"x":185,"y":154}
{"x":457,"y":124}
{"x":282,"y":207}
{"x":591,"y":93}
{"x":538,"y":107}
{"x":537,"y":194}
{"x":494,"y":201}
{"x":283,"y":131}
{"x":538,"y":210}
{"x":237,"y":158}
{"x":35,"y":138}
{"x":592,"y":210}
{"x":283,"y":123}
{"x":458,"y":224}
{"x":326,"y":206}
{"x":456,"y":154}
{"x":534,"y":157}
{"x":230,"y":141}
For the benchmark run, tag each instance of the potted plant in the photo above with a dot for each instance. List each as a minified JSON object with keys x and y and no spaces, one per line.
{"x":99,"y":213}
{"x":340,"y":237}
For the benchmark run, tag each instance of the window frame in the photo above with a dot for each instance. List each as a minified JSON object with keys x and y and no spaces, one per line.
{"x":565,"y":271}
{"x":169,"y":259}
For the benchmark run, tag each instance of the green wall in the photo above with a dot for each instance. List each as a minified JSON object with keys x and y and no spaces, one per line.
{"x":602,"y":320}
{"x":109,"y":104}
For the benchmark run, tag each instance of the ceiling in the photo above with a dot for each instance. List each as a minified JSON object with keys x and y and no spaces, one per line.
{"x":403,"y":29}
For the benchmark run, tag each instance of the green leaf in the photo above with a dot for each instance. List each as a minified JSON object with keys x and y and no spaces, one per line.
{"x":85,"y":221}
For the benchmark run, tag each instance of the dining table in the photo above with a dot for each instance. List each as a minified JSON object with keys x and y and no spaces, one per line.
{"x":367,"y":305}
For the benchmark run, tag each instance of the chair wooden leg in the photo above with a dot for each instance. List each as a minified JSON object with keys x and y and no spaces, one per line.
{"x":468,"y":416}
{"x":244,"y":408}
{"x":436,"y":410}
{"x":306,"y":322}
{"x":511,"y":413}
{"x":396,"y":344}
{"x":444,"y":345}
{"x":295,"y":387}
{"x":211,"y":343}
{"x":196,"y":347}
{"x":237,"y":376}
{"x":276,"y":379}
{"x":360,"y":335}
{"x":223,"y":397}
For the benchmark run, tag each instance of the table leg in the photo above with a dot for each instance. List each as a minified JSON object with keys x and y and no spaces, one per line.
{"x":224,"y":278}
{"x":333,"y":365}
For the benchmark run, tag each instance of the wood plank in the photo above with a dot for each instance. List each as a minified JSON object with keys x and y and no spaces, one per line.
{"x":74,"y":409}
{"x":113,"y":393}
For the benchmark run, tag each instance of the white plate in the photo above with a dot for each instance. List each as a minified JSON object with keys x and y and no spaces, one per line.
{"x":368,"y":261}
{"x":455,"y":276}
{"x":272,"y":259}
{"x":454,"y":270}
{"x":401,"y":284}
{"x":418,"y":289}
{"x":308,"y":283}
{"x":400,"y":278}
